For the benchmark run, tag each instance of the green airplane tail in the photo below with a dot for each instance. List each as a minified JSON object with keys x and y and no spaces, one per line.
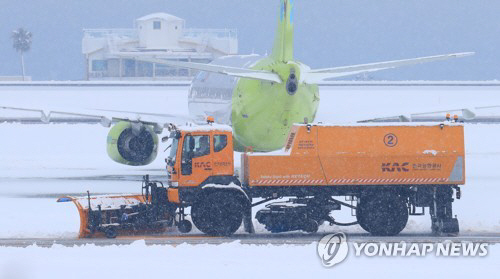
{"x":283,"y":42}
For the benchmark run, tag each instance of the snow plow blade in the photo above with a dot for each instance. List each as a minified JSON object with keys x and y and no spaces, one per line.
{"x":113,"y":215}
{"x":109,"y":205}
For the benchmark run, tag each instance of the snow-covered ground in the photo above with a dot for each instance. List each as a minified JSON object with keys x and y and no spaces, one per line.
{"x":29,"y":182}
{"x":40,"y":162}
{"x":33,"y":156}
{"x":231,"y":260}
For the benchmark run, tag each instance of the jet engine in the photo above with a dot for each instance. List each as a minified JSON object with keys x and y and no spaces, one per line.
{"x":131,"y":143}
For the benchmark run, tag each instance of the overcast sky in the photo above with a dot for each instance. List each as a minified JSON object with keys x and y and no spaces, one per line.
{"x":327,"y":32}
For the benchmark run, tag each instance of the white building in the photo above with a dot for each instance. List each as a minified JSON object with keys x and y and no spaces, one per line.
{"x":116,"y":54}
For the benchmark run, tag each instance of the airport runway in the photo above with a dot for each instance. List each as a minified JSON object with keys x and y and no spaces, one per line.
{"x":42,"y":162}
{"x":250,"y":239}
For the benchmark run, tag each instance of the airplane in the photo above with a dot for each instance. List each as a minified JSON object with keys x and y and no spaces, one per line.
{"x":260,"y":97}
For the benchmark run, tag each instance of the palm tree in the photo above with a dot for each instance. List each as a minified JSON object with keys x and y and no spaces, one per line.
{"x":22,"y":43}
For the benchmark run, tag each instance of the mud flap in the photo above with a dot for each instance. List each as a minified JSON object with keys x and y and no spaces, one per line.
{"x":247,"y":221}
{"x":447,"y":227}
{"x":450,"y":226}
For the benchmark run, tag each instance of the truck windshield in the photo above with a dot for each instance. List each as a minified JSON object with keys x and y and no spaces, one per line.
{"x":173,"y":151}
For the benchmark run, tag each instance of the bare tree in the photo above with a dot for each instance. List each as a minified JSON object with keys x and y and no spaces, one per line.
{"x":22,"y":43}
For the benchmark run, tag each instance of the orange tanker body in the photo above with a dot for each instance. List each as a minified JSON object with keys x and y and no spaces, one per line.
{"x":321,"y":155}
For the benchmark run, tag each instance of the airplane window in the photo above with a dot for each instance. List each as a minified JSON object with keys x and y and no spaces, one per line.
{"x":220,"y":142}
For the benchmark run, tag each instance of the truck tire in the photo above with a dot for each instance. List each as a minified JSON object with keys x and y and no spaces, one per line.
{"x":383,"y":214}
{"x":311,"y":226}
{"x":185,"y":226}
{"x":111,"y":233}
{"x":218,"y":213}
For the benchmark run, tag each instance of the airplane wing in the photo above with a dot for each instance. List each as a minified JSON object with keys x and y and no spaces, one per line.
{"x":225,"y":70}
{"x":76,"y":115}
{"x":311,"y":76}
{"x":315,"y":76}
{"x":465,"y":115}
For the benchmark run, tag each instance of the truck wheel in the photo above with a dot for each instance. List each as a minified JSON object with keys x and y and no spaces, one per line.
{"x":311,"y":226}
{"x":218,"y":213}
{"x":383,"y":214}
{"x":185,"y":226}
{"x":111,"y":232}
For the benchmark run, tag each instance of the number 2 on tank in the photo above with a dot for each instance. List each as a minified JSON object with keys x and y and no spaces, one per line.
{"x":390,"y":140}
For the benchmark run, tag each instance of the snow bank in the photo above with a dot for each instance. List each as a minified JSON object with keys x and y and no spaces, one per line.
{"x":36,"y":217}
{"x":233,"y":260}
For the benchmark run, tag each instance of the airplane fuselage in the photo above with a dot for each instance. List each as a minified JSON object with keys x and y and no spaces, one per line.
{"x":261,"y":113}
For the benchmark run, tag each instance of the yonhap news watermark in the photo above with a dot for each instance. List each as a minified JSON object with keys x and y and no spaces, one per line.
{"x":333,"y":249}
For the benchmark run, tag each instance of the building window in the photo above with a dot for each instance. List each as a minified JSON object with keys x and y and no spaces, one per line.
{"x":157,"y":25}
{"x":164,"y":70}
{"x":144,"y":69}
{"x":129,"y":68}
{"x":99,"y":65}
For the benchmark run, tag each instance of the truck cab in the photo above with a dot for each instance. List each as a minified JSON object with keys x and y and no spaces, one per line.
{"x":199,"y":155}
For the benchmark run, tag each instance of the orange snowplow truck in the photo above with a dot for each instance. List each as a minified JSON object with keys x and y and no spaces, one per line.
{"x":385,"y":172}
